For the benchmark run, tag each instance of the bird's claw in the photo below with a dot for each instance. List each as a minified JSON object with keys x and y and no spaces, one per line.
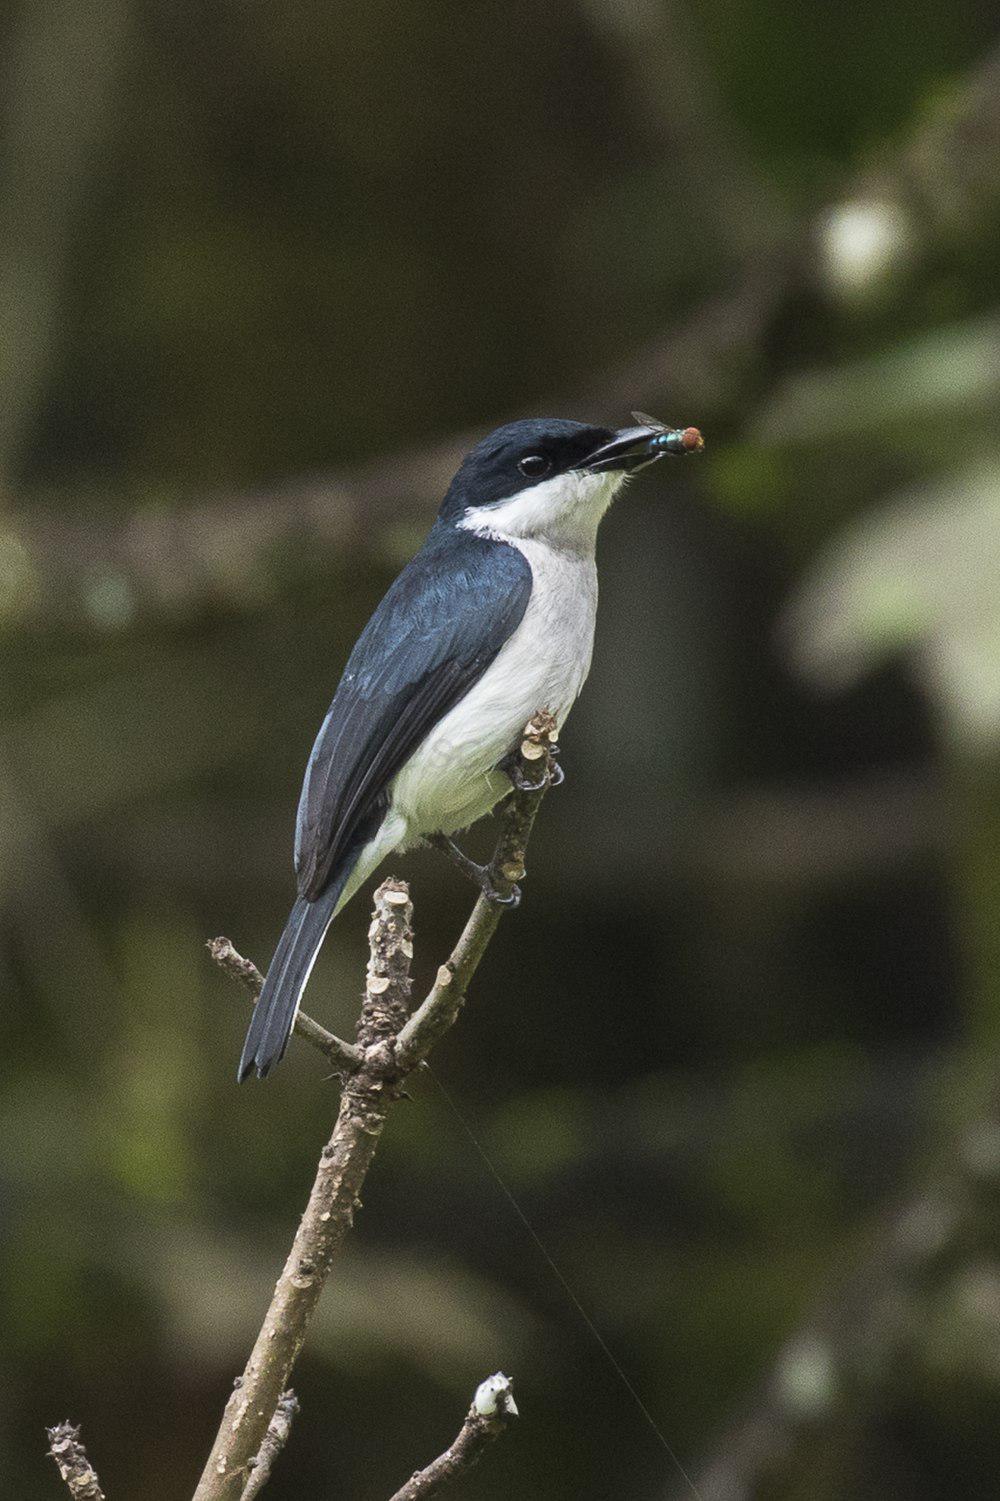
{"x":525,"y":784}
{"x":479,"y":875}
{"x":509,"y":903}
{"x":552,"y":774}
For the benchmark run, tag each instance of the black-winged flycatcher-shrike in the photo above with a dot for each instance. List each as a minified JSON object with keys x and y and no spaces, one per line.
{"x":492,"y":620}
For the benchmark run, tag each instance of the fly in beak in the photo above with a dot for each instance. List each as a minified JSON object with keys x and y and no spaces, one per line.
{"x":634,"y":447}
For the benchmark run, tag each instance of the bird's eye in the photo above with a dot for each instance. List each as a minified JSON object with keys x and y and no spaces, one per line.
{"x":534,"y":465}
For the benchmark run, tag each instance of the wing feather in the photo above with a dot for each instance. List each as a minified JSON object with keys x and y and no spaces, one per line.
{"x":436,"y":631}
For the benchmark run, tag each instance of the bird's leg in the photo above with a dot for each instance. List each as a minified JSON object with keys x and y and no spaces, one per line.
{"x":458,"y":857}
{"x":479,"y":875}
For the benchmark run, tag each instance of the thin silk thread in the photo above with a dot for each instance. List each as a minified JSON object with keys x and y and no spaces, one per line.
{"x":608,"y":1353}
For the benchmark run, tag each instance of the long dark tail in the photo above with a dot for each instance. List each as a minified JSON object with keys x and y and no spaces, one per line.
{"x":274,"y":1014}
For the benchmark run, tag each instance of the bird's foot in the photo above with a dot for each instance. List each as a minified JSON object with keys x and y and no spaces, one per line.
{"x":509,"y":902}
{"x":479,"y":875}
{"x":552,"y":774}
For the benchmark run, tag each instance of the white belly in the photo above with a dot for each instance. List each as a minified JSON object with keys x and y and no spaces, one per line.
{"x":450,"y":781}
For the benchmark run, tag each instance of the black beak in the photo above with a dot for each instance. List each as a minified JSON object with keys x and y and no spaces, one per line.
{"x":633,"y":447}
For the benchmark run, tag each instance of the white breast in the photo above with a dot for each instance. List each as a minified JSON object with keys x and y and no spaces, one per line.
{"x":450,"y":781}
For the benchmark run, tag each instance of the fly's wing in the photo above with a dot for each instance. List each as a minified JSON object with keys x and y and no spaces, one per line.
{"x":435,"y":633}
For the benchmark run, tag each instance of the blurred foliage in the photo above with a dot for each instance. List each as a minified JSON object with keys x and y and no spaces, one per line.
{"x":751,"y":1000}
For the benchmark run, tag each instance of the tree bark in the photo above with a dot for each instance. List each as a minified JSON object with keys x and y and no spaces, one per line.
{"x":329,"y":1215}
{"x":75,"y":1468}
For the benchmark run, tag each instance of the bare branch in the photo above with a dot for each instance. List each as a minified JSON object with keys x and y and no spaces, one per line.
{"x":492,"y":1412}
{"x":275,"y":1440}
{"x":341,"y":1054}
{"x":74,"y":1466}
{"x":369,"y":1090}
{"x":328,"y":1218}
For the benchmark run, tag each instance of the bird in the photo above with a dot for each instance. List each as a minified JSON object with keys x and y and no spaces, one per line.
{"x":491,"y":621}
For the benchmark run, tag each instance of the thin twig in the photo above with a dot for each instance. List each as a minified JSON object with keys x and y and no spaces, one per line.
{"x":369,"y":1090}
{"x":341,"y":1054}
{"x":492,"y":1412}
{"x":74,"y":1466}
{"x":275,"y":1440}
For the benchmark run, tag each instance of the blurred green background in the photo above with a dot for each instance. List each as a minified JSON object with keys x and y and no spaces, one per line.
{"x":264,"y":272}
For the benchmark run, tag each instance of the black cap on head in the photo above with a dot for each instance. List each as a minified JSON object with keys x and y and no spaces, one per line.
{"x":519,"y":455}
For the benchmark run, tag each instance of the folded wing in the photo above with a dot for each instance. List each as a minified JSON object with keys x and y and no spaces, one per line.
{"x":435,"y":633}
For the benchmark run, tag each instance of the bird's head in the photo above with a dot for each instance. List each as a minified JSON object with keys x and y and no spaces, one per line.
{"x":552,"y":479}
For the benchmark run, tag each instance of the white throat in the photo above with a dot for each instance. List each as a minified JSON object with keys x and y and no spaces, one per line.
{"x":564,"y":511}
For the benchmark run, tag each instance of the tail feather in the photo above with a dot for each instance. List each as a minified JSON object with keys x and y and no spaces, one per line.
{"x":275,"y":1012}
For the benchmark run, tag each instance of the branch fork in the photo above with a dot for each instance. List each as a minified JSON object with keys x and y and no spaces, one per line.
{"x":391,"y":1042}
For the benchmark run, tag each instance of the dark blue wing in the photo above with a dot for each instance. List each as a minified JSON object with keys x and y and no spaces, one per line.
{"x":436,"y":631}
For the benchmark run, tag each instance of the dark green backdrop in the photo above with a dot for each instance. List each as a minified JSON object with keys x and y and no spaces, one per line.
{"x":264,"y":270}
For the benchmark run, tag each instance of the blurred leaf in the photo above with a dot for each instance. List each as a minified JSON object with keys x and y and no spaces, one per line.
{"x":920,"y":574}
{"x":433,"y":1312}
{"x":948,"y":373}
